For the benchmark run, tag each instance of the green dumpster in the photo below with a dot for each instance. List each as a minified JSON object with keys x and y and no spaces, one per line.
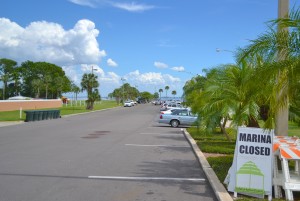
{"x":40,"y":113}
{"x":45,"y":115}
{"x":50,"y":114}
{"x":36,"y":115}
{"x":29,"y":116}
{"x":56,"y":114}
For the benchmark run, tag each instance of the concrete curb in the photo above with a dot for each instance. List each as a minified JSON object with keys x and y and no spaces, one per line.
{"x":10,"y":123}
{"x":220,"y":191}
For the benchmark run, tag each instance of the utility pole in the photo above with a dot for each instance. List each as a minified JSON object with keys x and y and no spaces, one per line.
{"x":123,"y":79}
{"x":281,"y":119}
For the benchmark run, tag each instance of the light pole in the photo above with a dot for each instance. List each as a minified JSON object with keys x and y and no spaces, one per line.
{"x":123,"y":79}
{"x":93,"y":69}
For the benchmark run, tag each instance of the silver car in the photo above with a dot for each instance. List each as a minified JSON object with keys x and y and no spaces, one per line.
{"x":178,"y":117}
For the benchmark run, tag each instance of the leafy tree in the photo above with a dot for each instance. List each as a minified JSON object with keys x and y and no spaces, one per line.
{"x":36,"y":85}
{"x":124,"y":92}
{"x":53,"y":77}
{"x":117,"y":94}
{"x":47,"y":81}
{"x":147,"y":96}
{"x":6,"y":70}
{"x":156,"y":95}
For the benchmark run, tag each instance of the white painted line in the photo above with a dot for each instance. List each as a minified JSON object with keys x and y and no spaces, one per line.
{"x":156,"y":145}
{"x":179,"y":134}
{"x":146,"y":178}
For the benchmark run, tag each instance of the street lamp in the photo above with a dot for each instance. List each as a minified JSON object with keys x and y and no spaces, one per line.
{"x":93,"y":69}
{"x":123,"y":80}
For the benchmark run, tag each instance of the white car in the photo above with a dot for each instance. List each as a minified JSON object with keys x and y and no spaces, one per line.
{"x":127,"y":104}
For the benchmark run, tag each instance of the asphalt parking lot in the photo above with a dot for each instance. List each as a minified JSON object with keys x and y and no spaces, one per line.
{"x":120,"y":154}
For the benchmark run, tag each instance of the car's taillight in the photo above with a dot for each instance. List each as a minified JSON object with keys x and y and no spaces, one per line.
{"x":162,"y":113}
{"x":161,"y":117}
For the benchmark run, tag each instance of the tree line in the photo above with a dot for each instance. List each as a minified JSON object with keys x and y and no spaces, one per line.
{"x":32,"y":79}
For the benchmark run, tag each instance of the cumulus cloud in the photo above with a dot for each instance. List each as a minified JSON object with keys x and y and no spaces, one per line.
{"x":111,"y":63}
{"x":160,"y":64}
{"x":178,"y":68}
{"x":150,"y":78}
{"x":50,"y":42}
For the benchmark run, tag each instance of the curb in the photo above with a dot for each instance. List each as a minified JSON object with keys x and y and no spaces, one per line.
{"x":220,"y":191}
{"x":10,"y":123}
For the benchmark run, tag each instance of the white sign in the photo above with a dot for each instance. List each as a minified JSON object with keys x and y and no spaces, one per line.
{"x":251,"y":172}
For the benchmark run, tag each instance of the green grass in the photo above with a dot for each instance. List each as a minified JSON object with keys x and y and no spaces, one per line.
{"x":294,"y":129}
{"x":65,"y":110}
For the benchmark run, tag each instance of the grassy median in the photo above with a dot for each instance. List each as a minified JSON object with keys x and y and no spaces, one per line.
{"x":64,"y":110}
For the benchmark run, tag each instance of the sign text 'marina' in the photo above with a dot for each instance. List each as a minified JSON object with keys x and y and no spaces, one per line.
{"x":246,"y":137}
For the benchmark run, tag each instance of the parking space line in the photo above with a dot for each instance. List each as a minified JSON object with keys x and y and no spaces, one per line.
{"x":161,"y":134}
{"x":146,"y":178}
{"x":156,"y":145}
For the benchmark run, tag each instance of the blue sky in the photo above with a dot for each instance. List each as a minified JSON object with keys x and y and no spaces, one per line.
{"x":150,"y":43}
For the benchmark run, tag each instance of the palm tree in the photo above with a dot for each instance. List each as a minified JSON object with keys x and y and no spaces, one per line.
{"x":167,"y":88}
{"x":160,"y":91}
{"x":229,"y":92}
{"x":174,"y":93}
{"x":269,"y":46}
{"x":88,"y":83}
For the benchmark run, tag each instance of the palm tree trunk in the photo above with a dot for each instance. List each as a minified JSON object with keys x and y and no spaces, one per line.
{"x":223,"y":129}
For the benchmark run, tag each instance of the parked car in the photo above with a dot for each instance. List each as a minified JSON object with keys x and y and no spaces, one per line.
{"x":163,"y":107}
{"x":178,"y":117}
{"x":127,"y":104}
{"x":167,"y":111}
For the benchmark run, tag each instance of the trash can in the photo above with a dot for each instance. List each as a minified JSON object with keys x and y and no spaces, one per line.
{"x":29,"y":116}
{"x":50,"y":114}
{"x":36,"y":115}
{"x":40,"y":115}
{"x":45,"y":115}
{"x":56,"y":114}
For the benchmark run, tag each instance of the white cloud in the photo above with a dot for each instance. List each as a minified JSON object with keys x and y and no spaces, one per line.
{"x":178,"y":68}
{"x":132,"y":7}
{"x":111,"y":63}
{"x":160,"y":64}
{"x":83,"y":3}
{"x":50,"y":42}
{"x":150,"y":78}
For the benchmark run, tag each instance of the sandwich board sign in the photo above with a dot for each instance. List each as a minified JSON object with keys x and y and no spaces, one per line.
{"x":251,"y":171}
